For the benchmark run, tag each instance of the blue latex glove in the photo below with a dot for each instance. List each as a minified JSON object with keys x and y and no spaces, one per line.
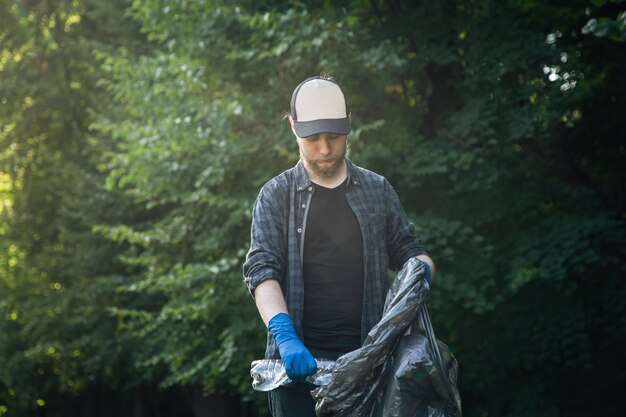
{"x":299,"y":363}
{"x":427,"y":271}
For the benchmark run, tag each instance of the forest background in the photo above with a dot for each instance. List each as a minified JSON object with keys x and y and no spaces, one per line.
{"x":135,"y":135}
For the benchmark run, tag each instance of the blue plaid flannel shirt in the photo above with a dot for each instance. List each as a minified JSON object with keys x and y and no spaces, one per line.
{"x":279,"y":219}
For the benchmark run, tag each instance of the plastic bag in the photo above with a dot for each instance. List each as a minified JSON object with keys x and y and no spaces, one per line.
{"x":418,"y":384}
{"x":268,"y":374}
{"x":400,"y":371}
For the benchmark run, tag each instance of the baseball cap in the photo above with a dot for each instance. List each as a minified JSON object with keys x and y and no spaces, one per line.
{"x":318,"y":105}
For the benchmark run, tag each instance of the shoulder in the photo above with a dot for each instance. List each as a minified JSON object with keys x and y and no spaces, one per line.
{"x":278,"y":186}
{"x":369,"y":178}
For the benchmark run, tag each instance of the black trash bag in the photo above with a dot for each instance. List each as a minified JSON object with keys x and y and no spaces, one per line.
{"x":417,"y":386}
{"x":400,"y":370}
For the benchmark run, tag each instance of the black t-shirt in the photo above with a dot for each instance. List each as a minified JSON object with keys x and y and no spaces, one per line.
{"x":333,"y":271}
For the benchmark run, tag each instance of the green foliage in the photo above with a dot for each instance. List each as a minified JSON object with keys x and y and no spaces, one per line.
{"x":614,"y":29}
{"x":136,"y":135}
{"x":604,"y":26}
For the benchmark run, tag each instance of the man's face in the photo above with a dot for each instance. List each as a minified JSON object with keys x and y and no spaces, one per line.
{"x":323,"y":153}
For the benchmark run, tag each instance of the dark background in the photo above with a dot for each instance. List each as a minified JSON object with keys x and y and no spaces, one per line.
{"x":135,"y":135}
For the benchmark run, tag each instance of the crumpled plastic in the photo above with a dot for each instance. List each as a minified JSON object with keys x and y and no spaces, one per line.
{"x":401,"y":370}
{"x":268,"y":374}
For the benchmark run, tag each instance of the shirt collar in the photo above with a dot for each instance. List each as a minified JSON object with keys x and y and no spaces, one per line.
{"x":302,"y":178}
{"x":303,"y":182}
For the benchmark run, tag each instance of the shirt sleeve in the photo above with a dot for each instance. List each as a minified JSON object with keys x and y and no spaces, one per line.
{"x":266,"y":257}
{"x":402,"y":241}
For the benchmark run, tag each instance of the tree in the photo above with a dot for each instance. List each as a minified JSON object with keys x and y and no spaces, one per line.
{"x":126,"y":209}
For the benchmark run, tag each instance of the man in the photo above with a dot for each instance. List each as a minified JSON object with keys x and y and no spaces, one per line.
{"x":324,"y":235}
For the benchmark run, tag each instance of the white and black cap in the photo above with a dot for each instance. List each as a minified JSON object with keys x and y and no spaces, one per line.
{"x":319,"y":106}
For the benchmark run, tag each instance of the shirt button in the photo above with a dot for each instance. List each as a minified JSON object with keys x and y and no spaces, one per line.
{"x":304,"y":206}
{"x":356,"y":182}
{"x":299,"y":188}
{"x":299,"y":230}
{"x":310,"y":188}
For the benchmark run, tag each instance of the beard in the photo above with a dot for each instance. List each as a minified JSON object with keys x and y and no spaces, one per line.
{"x":326,"y":170}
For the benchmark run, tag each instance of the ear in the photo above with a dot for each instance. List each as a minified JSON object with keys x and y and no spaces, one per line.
{"x":293,"y":128}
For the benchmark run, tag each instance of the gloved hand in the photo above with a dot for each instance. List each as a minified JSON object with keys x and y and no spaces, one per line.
{"x":299,"y":363}
{"x":427,"y":271}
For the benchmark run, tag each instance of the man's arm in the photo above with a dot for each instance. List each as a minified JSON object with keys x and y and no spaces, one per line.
{"x":299,"y":363}
{"x":266,"y":258}
{"x":269,"y":300}
{"x":402,"y":241}
{"x":431,"y":264}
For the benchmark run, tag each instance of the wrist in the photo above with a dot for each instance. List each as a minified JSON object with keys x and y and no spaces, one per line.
{"x":281,"y":328}
{"x":427,"y":276}
{"x":429,"y":273}
{"x":427,"y":270}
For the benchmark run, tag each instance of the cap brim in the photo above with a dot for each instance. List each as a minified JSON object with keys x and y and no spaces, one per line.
{"x":313,"y":127}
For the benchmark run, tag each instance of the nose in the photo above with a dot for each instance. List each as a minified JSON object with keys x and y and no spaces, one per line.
{"x":324,"y":146}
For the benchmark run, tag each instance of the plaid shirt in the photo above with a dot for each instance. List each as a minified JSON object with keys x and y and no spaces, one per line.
{"x":279,"y":219}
